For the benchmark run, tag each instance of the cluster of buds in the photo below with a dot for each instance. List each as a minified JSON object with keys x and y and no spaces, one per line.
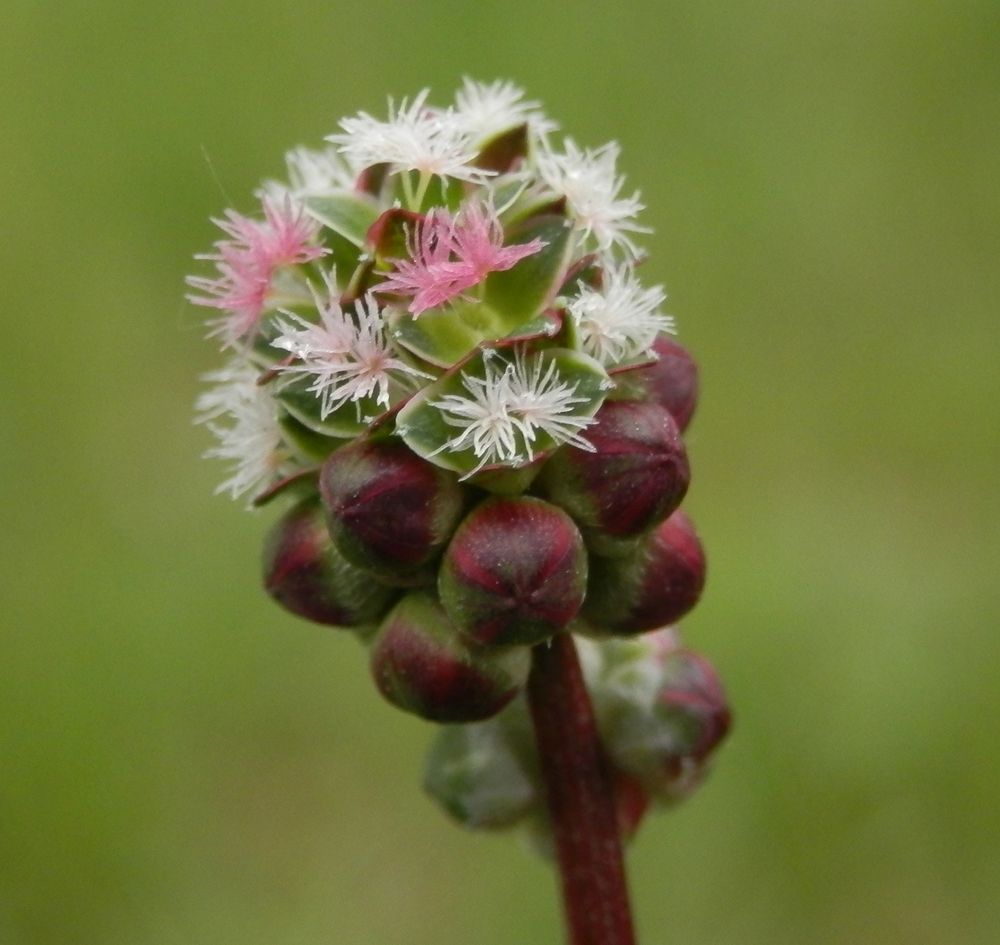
{"x":661,"y":712}
{"x":439,"y":348}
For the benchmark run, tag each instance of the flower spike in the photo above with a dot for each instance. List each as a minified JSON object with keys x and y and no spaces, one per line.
{"x":441,"y":351}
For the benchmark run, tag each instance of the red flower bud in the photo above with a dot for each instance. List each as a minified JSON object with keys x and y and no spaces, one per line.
{"x":672,"y":381}
{"x":654,"y":585}
{"x":515,"y":572}
{"x":423,"y":665}
{"x":388,"y":510}
{"x":692,"y":696}
{"x":307,"y":575}
{"x":637,"y":475}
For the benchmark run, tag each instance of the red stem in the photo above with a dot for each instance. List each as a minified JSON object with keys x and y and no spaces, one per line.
{"x":580,"y":797}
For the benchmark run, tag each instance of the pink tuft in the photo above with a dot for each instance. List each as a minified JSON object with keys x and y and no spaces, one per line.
{"x":430,"y":275}
{"x":247,"y":261}
{"x":449,"y":255}
{"x":478,"y":242}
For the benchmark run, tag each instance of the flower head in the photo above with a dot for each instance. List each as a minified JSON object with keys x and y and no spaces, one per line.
{"x":252,"y":440}
{"x":589,"y":182}
{"x":449,"y":255}
{"x":346,"y":355}
{"x":621,"y":319}
{"x":504,"y":410}
{"x":415,"y":138}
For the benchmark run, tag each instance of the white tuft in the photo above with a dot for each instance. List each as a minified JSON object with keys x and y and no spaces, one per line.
{"x":589,"y":182}
{"x":484,"y":110}
{"x":415,"y":138}
{"x":621,"y":320}
{"x":251,"y":440}
{"x":503,"y":412}
{"x":346,"y":355}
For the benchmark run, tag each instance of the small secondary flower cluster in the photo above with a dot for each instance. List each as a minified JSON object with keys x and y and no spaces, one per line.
{"x":439,"y":346}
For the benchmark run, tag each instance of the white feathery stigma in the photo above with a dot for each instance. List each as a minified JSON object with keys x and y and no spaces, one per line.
{"x":415,"y":138}
{"x":252,"y":438}
{"x":311,"y":173}
{"x":589,"y":182}
{"x":621,"y":320}
{"x":346,"y":354}
{"x":506,"y":408}
{"x":483,"y":110}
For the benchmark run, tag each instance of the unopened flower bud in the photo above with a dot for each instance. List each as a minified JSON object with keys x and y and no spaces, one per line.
{"x":423,"y":665}
{"x":635,"y":477}
{"x":388,"y":510}
{"x":483,"y":774}
{"x":666,"y":741}
{"x":654,"y":585}
{"x":693,"y":692}
{"x":671,"y":381}
{"x":306,"y":574}
{"x":515,"y":572}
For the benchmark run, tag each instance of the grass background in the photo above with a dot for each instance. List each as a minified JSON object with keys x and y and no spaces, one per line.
{"x":182,"y":763}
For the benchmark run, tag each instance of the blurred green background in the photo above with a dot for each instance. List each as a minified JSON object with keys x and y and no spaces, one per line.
{"x":182,"y":763}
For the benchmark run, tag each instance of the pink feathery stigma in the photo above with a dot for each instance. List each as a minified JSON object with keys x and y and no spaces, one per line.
{"x":430,"y":275}
{"x":287,"y":239}
{"x":240,"y":290}
{"x":248,"y":260}
{"x":283,"y":238}
{"x":449,"y":255}
{"x":478,"y":242}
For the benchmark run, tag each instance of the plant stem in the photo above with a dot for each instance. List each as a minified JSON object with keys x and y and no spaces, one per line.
{"x":580,"y":798}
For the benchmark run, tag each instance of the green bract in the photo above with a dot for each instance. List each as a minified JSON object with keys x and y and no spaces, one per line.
{"x":349,"y":214}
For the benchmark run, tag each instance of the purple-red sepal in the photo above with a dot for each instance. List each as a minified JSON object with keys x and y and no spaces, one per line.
{"x":514,"y":573}
{"x":307,"y":575}
{"x":389,"y":511}
{"x":421,"y":664}
{"x":637,"y":474}
{"x":655,"y":584}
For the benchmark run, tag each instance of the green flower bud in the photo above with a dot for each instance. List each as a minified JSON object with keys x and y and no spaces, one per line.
{"x":484,"y":774}
{"x":515,"y":572}
{"x":388,"y":510}
{"x":654,"y":585}
{"x":421,"y":664}
{"x":306,"y":574}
